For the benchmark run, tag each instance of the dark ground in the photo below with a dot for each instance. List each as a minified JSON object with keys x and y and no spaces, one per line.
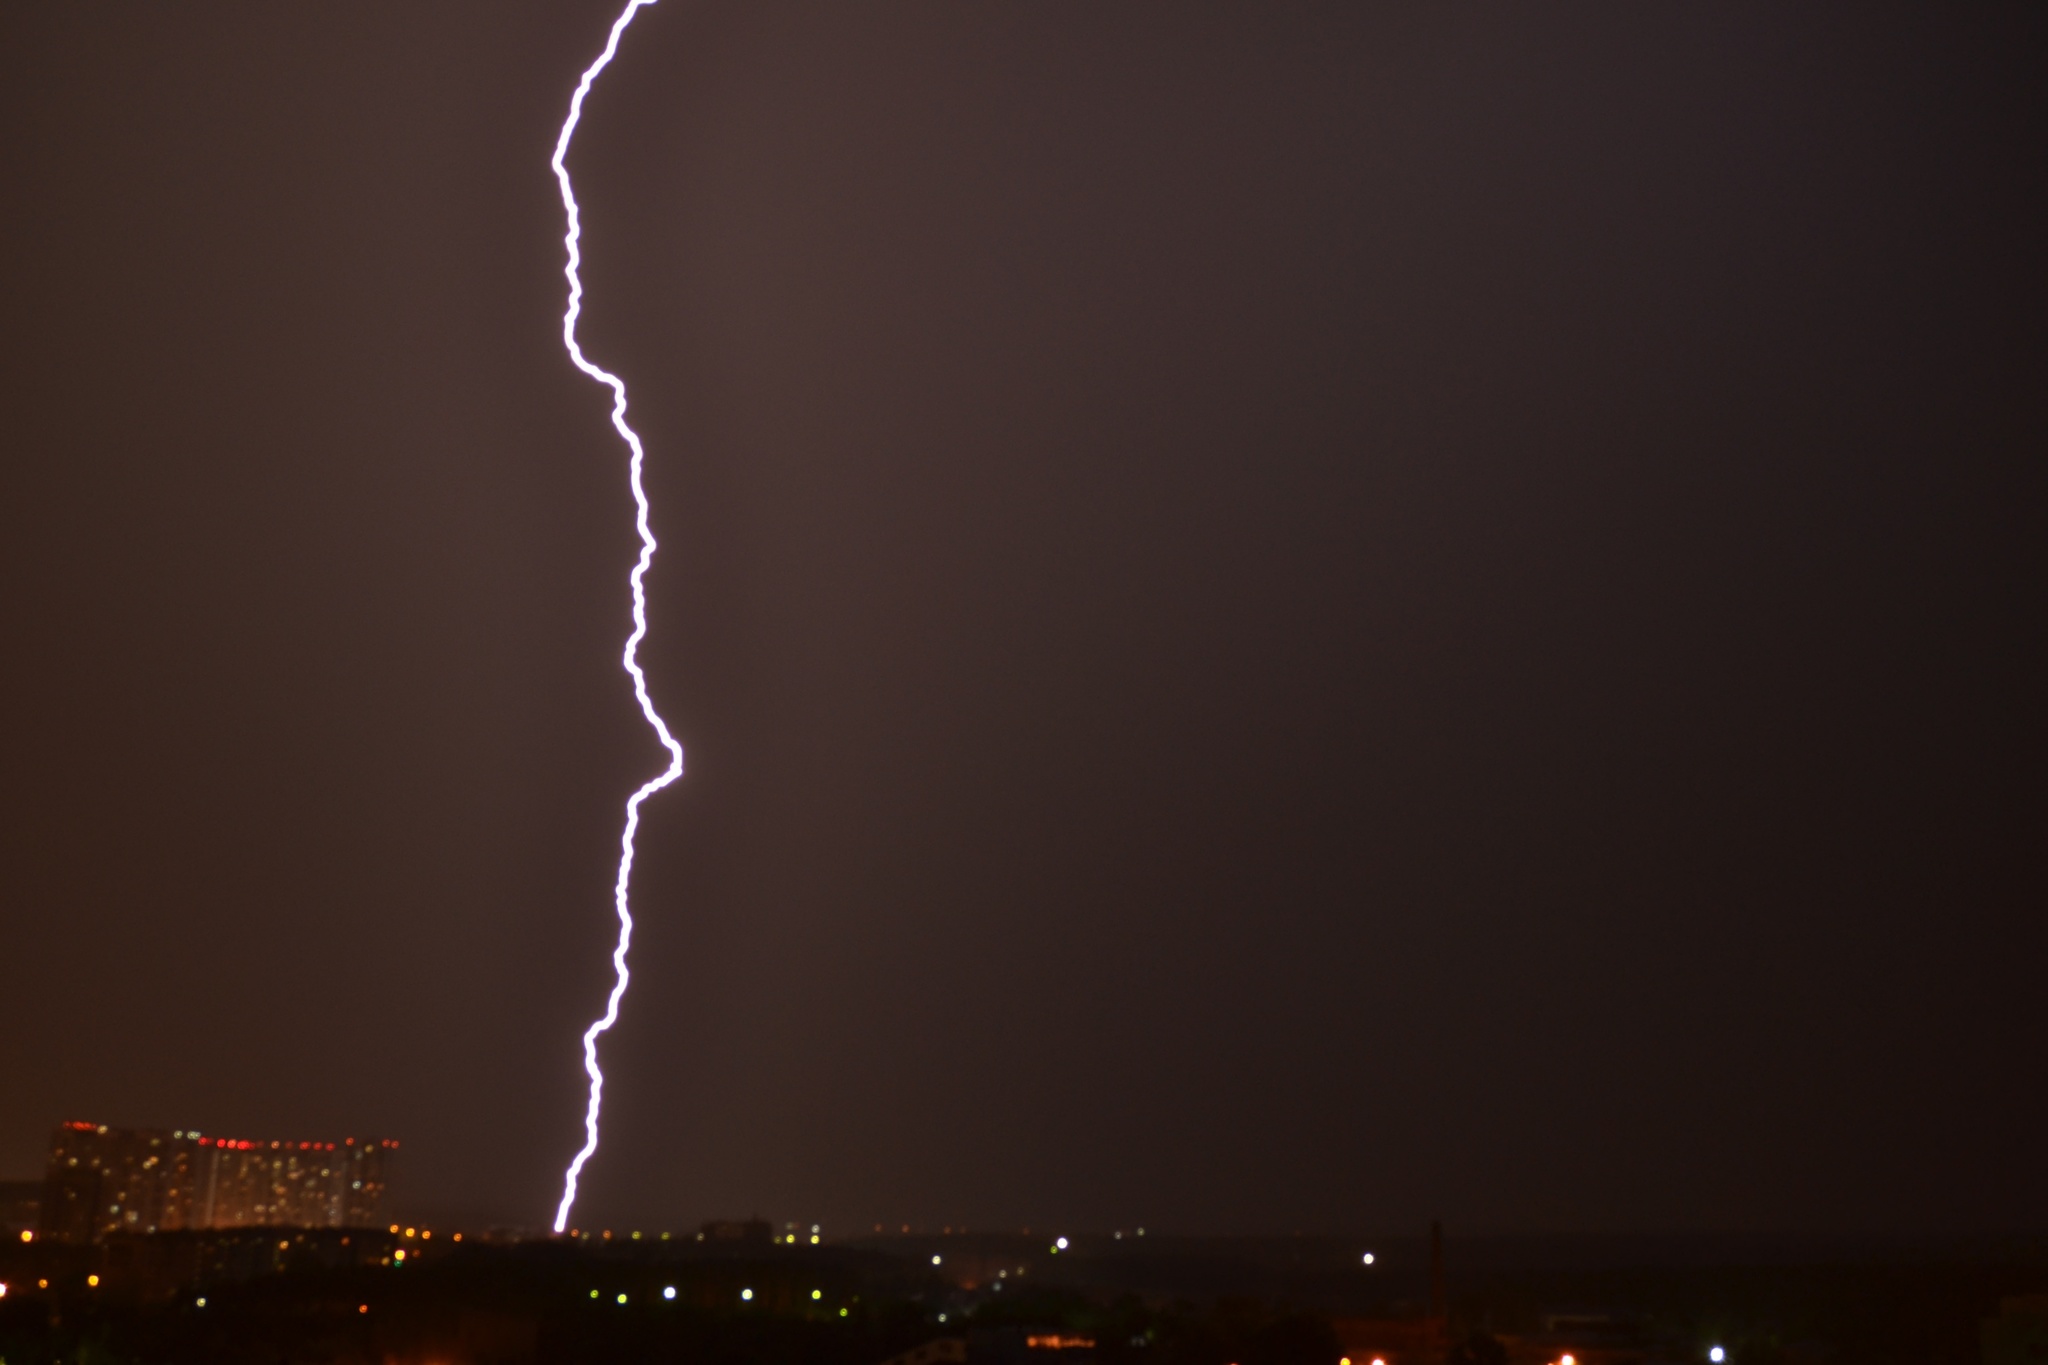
{"x":1163,"y":1300}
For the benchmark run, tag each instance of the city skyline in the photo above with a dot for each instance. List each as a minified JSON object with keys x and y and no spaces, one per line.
{"x":101,"y":1179}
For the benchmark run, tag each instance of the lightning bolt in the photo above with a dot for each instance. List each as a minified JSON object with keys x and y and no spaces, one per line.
{"x":572,"y":241}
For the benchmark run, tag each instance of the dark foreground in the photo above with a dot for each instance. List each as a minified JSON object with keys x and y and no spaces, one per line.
{"x":372,"y":1299}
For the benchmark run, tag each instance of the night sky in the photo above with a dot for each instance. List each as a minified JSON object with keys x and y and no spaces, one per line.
{"x":1286,"y":616}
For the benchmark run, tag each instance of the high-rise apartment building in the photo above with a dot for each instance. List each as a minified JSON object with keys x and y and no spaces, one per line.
{"x":104,"y":1179}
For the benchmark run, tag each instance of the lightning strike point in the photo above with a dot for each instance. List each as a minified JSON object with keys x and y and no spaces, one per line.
{"x":572,"y":241}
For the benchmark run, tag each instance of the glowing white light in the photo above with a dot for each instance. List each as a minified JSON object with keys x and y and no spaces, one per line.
{"x":1368,"y":1258}
{"x":747,"y":1294}
{"x":1061,"y":1243}
{"x":1716,"y":1354}
{"x":935,"y":1260}
{"x":572,"y":241}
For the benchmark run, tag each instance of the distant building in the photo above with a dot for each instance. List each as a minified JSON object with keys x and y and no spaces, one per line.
{"x":103,"y":1180}
{"x":1392,"y":1341}
{"x":19,"y":1201}
{"x":1584,"y":1339}
{"x":2019,"y":1334}
{"x":740,"y":1231}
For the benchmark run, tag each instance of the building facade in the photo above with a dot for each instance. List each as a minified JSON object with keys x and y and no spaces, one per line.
{"x":103,"y":1180}
{"x":20,"y":1204}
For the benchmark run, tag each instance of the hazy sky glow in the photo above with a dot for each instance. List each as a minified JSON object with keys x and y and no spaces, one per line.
{"x":1284,"y":616}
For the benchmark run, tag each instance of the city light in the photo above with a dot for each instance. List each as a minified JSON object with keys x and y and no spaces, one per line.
{"x":747,"y":1295}
{"x":28,"y":1236}
{"x":92,"y":1281}
{"x":201,"y":1302}
{"x":935,"y":1260}
{"x":571,"y":241}
{"x":817,"y":1294}
{"x":1716,"y":1354}
{"x":622,"y":1298}
{"x":1368,"y":1258}
{"x":668,"y":1291}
